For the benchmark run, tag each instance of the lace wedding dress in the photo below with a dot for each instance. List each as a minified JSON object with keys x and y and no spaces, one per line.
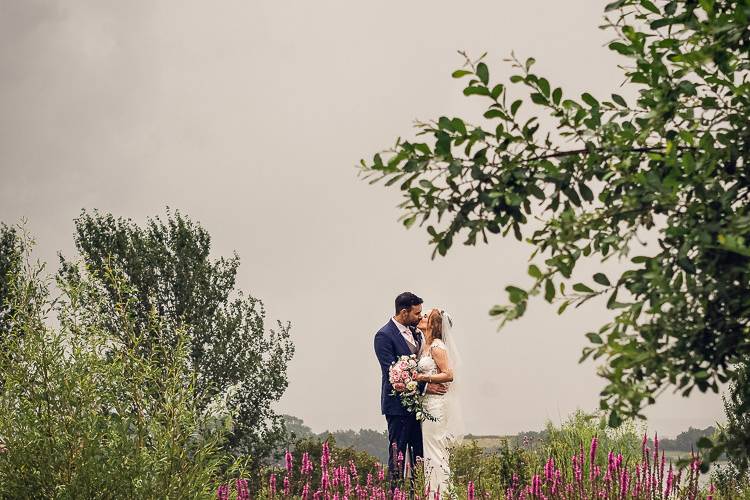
{"x":436,"y":436}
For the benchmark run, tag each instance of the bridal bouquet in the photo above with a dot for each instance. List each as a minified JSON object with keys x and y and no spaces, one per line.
{"x":402,"y":374}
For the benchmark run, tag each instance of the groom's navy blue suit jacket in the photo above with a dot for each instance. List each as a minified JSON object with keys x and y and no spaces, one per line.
{"x":389,"y":345}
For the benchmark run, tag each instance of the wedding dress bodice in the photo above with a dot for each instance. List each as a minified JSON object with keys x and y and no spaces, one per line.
{"x":426,"y":364}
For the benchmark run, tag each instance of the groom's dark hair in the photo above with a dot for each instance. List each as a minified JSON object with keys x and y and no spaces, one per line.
{"x":407,"y":300}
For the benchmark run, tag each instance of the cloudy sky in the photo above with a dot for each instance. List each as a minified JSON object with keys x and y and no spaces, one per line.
{"x":250,"y":116}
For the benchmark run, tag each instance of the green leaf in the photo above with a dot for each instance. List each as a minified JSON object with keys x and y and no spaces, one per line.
{"x":622,"y":48}
{"x":529,"y":63}
{"x":580,"y":287}
{"x":614,"y":420}
{"x":459,"y":73}
{"x":549,"y":290}
{"x":601,"y":279}
{"x":586,"y":193}
{"x":557,"y":95}
{"x":494,"y":113}
{"x":535,"y":191}
{"x":534,"y":271}
{"x":614,"y":5}
{"x":514,"y":107}
{"x":476,"y":90}
{"x":483,"y":73}
{"x":595,"y":338}
{"x":516,"y":294}
{"x":589,"y":99}
{"x":648,"y":5}
{"x":704,"y":442}
{"x":544,"y":86}
{"x":619,"y":100}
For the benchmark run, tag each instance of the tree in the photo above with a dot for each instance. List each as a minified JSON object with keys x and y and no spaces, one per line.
{"x":169,"y":265}
{"x":10,"y":264}
{"x":673,"y":164}
{"x":736,"y":432}
{"x":685,"y":441}
{"x":84,"y":413}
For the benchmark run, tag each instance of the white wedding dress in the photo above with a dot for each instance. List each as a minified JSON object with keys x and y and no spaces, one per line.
{"x":436,"y":435}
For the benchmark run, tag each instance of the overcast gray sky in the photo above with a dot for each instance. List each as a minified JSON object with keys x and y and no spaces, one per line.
{"x":250,"y":116}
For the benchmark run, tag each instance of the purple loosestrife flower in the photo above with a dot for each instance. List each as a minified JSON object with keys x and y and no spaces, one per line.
{"x":670,"y":479}
{"x":289,"y":462}
{"x":470,"y":490}
{"x":711,"y":491}
{"x":324,"y":481}
{"x":336,"y":476}
{"x":592,"y":453}
{"x":223,"y":492}
{"x":325,"y":457}
{"x":307,"y":466}
{"x":577,"y":468}
{"x":242,"y":491}
{"x":549,"y":469}
{"x":624,"y":484}
{"x":287,"y":487}
{"x":557,"y":481}
{"x":305,"y":491}
{"x":272,"y":485}
{"x":536,"y":485}
{"x":661,"y":468}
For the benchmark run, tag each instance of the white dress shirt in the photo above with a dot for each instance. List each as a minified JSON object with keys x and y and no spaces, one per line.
{"x":405,"y":332}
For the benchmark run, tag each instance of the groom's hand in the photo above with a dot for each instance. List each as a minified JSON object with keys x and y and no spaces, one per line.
{"x":438,"y":389}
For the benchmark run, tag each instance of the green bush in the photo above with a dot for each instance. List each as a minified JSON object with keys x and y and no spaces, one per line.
{"x":575,"y":433}
{"x":491,"y":471}
{"x":86,"y":414}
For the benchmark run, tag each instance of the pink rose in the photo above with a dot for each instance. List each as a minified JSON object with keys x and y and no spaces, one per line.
{"x":399,"y":387}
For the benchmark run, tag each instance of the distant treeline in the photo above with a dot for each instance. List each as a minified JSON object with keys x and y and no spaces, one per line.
{"x":376,"y":442}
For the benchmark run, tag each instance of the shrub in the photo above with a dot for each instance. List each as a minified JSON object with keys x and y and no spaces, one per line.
{"x":86,"y":414}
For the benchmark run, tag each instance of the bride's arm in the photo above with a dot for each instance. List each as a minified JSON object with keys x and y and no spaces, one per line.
{"x":445,"y":373}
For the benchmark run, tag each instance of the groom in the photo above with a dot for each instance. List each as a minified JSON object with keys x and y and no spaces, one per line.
{"x":400,"y":337}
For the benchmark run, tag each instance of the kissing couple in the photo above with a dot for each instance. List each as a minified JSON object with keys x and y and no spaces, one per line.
{"x":426,"y":335}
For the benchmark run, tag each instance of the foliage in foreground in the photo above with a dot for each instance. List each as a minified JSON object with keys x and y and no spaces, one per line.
{"x":579,"y":459}
{"x":88,"y":414}
{"x":670,"y":165}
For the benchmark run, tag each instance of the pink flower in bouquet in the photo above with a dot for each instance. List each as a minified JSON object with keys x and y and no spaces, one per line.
{"x":400,"y":387}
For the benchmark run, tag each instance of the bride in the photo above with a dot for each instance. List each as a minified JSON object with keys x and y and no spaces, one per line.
{"x":438,"y":363}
